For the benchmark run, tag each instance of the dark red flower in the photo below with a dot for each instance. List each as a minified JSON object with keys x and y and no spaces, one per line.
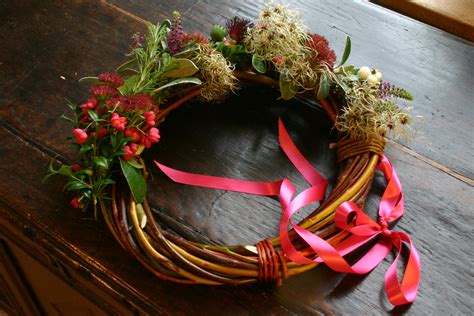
{"x":321,"y":50}
{"x":102,"y":91}
{"x":139,"y":102}
{"x":237,"y":28}
{"x":112,"y":78}
{"x":75,"y":167}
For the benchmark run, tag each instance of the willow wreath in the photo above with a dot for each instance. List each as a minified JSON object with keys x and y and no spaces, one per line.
{"x":167,"y":68}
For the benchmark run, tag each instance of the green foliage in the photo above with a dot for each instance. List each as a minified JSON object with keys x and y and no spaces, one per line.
{"x":347,"y":52}
{"x":90,"y":80}
{"x":287,"y":87}
{"x":324,"y":87}
{"x":236,"y":54}
{"x":259,"y":65}
{"x":181,"y":67}
{"x":218,"y":33}
{"x":135,"y":180}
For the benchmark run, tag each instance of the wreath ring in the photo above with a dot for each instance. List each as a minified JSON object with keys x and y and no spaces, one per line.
{"x":170,"y":67}
{"x":173,"y":258}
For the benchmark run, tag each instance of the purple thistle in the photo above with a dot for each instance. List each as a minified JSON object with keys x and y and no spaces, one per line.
{"x":237,"y":28}
{"x":176,"y":34}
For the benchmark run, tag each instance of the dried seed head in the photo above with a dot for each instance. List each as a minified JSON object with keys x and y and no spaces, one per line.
{"x":216,"y":73}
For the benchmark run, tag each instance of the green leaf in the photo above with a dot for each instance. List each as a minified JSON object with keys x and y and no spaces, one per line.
{"x":135,"y":181}
{"x":324,"y":87}
{"x":192,"y":80}
{"x":182,"y":67}
{"x":341,"y":84}
{"x":287,"y":88}
{"x":85,"y":148}
{"x":75,"y":185}
{"x":65,"y":170}
{"x":93,"y":115}
{"x":125,"y":66}
{"x":135,"y":164}
{"x":259,"y":64}
{"x":101,"y":162}
{"x":129,"y":84}
{"x":90,"y":80}
{"x":347,"y":52}
{"x":187,"y":52}
{"x":68,"y":119}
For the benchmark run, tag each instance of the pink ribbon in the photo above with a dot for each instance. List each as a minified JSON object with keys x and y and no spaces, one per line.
{"x":362,"y":227}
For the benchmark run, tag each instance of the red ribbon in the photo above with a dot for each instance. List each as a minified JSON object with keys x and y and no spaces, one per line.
{"x":362,"y":227}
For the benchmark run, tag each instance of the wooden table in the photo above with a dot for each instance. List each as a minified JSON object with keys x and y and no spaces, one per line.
{"x":55,"y":259}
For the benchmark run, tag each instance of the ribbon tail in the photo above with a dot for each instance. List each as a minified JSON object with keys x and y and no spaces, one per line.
{"x":399,"y":294}
{"x":241,"y":186}
{"x":299,"y":161}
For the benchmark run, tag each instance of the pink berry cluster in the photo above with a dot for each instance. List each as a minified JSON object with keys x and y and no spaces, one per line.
{"x":111,"y":125}
{"x":134,"y":116}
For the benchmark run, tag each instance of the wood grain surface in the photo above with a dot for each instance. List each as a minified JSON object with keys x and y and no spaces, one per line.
{"x":44,"y":42}
{"x":453,"y":16}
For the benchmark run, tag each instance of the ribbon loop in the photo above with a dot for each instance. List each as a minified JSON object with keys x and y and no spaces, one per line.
{"x":348,"y":217}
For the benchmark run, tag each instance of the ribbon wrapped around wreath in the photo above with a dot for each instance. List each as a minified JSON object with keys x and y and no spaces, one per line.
{"x":362,"y":227}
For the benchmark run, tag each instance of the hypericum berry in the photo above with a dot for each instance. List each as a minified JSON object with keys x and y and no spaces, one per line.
{"x":100,"y":134}
{"x":130,"y":151}
{"x":112,"y":78}
{"x":372,"y":80}
{"x":75,"y":202}
{"x":90,"y":104}
{"x":153,"y":136}
{"x":364,"y":72}
{"x":80,"y":135}
{"x":85,"y":119}
{"x":133,"y":133}
{"x":150,"y":118}
{"x":118,"y":122}
{"x":218,"y":33}
{"x":278,"y":59}
{"x":75,"y":167}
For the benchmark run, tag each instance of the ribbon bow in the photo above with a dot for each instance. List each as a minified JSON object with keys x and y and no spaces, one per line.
{"x":362,"y":228}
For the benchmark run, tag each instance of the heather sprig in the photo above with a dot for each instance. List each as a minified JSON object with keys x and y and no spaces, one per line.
{"x":388,"y":90}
